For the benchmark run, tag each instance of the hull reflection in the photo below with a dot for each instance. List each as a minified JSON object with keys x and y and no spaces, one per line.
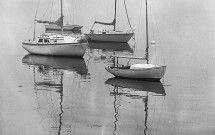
{"x":102,"y":51}
{"x":70,"y":64}
{"x":134,"y":90}
{"x":111,"y":46}
{"x":155,"y":87}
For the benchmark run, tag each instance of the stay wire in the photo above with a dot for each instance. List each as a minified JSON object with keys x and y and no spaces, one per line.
{"x":51,"y":11}
{"x":37,"y":9}
{"x":152,"y":25}
{"x":159,"y":36}
{"x":138,"y":32}
{"x":128,"y":16}
{"x":46,"y":9}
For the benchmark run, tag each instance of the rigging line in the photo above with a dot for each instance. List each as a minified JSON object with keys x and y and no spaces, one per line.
{"x":55,"y":9}
{"x":79,"y":6}
{"x":151,"y":20}
{"x":70,"y":17}
{"x":35,"y":19}
{"x":155,"y":54}
{"x":51,"y":11}
{"x":153,"y":115}
{"x":128,"y":17}
{"x":46,"y":10}
{"x":139,"y":23}
{"x":37,"y":9}
{"x":160,"y":115}
{"x":135,"y":113}
{"x":70,"y":14}
{"x":159,"y":35}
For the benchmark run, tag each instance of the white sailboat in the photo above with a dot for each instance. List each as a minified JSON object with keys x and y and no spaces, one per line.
{"x":56,"y":44}
{"x":147,"y":71}
{"x":109,"y":36}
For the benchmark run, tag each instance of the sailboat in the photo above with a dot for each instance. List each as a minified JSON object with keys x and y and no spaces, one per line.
{"x":56,"y":44}
{"x":142,"y":71}
{"x":109,"y":36}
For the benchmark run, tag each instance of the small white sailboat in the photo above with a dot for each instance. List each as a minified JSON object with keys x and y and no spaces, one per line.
{"x":109,"y":36}
{"x":147,"y":71}
{"x":56,"y":44}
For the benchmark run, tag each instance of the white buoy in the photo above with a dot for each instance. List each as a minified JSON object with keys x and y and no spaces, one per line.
{"x":153,"y":42}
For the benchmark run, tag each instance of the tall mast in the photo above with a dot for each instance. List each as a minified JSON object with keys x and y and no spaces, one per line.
{"x":61,"y":2}
{"x":115,"y":18}
{"x":34,"y":30}
{"x":147,"y":37}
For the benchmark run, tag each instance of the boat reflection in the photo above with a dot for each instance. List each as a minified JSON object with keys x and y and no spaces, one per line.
{"x":77,"y":65}
{"x":54,"y":78}
{"x":111,"y":46}
{"x":101,"y":51}
{"x":138,"y":85}
{"x":133,"y":89}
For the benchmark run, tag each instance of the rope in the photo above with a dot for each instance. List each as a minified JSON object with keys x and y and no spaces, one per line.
{"x":153,"y":35}
{"x":46,"y":10}
{"x":138,"y":25}
{"x":37,"y":9}
{"x":128,"y":17}
{"x":51,"y":10}
{"x":159,"y":36}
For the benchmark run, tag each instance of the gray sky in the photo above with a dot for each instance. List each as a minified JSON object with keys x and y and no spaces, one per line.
{"x":185,"y":20}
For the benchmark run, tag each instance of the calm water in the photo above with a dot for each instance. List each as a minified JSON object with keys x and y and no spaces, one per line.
{"x":42,"y":95}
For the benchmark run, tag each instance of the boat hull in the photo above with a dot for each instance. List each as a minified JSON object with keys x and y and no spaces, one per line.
{"x":152,"y":74}
{"x":121,"y":38}
{"x":64,"y":49}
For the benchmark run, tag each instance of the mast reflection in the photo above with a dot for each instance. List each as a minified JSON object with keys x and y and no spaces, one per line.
{"x":49,"y":73}
{"x":136,"y":90}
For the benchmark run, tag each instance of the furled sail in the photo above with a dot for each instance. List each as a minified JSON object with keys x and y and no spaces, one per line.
{"x":58,"y":22}
{"x":112,"y":23}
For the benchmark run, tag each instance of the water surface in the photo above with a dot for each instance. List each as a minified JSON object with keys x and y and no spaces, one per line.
{"x":59,"y":96}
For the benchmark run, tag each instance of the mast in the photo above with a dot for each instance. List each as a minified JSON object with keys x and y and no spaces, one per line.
{"x":147,"y":37}
{"x":114,"y":18}
{"x":61,"y":2}
{"x":34,"y":30}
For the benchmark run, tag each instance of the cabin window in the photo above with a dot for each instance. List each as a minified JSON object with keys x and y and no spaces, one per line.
{"x":46,"y":41}
{"x":40,"y":40}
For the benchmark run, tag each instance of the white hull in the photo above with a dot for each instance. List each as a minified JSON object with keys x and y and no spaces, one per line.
{"x":121,"y":37}
{"x":63,"y":49}
{"x":152,"y":74}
